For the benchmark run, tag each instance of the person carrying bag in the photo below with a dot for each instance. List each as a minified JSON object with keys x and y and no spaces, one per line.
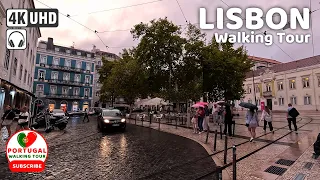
{"x":266,"y":117}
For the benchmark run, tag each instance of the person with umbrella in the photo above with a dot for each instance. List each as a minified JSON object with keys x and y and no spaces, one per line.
{"x":201,"y":115}
{"x":252,"y":122}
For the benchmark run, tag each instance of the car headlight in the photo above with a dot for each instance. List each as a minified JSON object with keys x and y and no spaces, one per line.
{"x":106,"y":121}
{"x":123,"y":120}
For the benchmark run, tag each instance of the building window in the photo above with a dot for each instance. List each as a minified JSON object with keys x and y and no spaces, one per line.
{"x":65,"y":90}
{"x":53,"y":89}
{"x":280,"y":86}
{"x":98,"y":93}
{"x":28,"y":79}
{"x":54,"y":75}
{"x":86,"y":92}
{"x":21,"y":71}
{"x":27,"y":50}
{"x":87,"y":81}
{"x":88,"y":67}
{"x":43,"y":60}
{"x":258,"y":102}
{"x":99,"y":63}
{"x":25,"y":76}
{"x":66,"y":76}
{"x":68,"y":63}
{"x":15,"y":66}
{"x":77,"y":78}
{"x":305,"y":82}
{"x":7,"y":59}
{"x":257,"y":90}
{"x":41,"y":74}
{"x":307,"y":100}
{"x":268,"y":87}
{"x":292,"y":84}
{"x":76,"y":91}
{"x":40,"y":87}
{"x":293,"y":100}
{"x":56,"y":61}
{"x":319,"y":81}
{"x":78,"y":65}
{"x":281,"y":101}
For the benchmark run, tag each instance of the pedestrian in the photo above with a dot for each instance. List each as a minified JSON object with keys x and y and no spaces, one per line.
{"x":194,"y":122}
{"x":24,"y":118}
{"x":7,"y":119}
{"x":266,"y":117}
{"x":292,"y":115}
{"x":86,"y":115}
{"x":205,"y":124}
{"x":201,"y":115}
{"x":228,"y":120}
{"x":252,"y":122}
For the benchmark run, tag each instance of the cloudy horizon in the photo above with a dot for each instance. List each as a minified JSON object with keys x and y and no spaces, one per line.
{"x":119,"y":22}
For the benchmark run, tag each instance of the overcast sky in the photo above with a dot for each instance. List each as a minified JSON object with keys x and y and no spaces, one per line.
{"x":124,"y":19}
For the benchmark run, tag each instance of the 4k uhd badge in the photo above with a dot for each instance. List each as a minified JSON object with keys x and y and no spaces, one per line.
{"x":27,"y":151}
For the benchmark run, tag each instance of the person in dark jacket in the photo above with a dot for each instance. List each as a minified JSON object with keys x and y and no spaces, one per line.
{"x":7,"y":119}
{"x":86,"y":116}
{"x":228,"y":121}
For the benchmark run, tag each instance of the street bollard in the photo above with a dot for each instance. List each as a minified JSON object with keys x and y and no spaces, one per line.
{"x":225,"y":150}
{"x":220,"y":131}
{"x":234,"y":127}
{"x":215,"y":140}
{"x":219,"y":173}
{"x":142,"y":120}
{"x":159,"y":123}
{"x":207,"y":136}
{"x":176,"y":123}
{"x":234,"y":163}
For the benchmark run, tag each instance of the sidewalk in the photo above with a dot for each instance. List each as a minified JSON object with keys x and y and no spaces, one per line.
{"x":266,"y":150}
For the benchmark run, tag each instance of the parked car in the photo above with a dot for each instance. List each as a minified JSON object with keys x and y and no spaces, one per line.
{"x":111,"y":118}
{"x":58,"y":113}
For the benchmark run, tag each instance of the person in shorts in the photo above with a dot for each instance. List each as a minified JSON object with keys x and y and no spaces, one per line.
{"x":7,"y":119}
{"x":23,"y":121}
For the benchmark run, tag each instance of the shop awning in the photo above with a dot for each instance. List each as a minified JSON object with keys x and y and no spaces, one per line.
{"x":16,"y":87}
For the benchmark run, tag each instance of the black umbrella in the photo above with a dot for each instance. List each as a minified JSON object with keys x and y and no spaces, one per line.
{"x":247,"y":105}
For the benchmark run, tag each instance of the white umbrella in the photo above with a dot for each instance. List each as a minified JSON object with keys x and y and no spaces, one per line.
{"x":155,"y":102}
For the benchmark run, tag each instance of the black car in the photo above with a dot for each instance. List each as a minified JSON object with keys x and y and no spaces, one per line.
{"x":111,"y":118}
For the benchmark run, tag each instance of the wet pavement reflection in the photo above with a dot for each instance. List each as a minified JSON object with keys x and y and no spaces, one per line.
{"x":81,"y":152}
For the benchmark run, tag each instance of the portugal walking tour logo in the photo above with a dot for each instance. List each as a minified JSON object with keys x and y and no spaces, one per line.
{"x":27,"y":151}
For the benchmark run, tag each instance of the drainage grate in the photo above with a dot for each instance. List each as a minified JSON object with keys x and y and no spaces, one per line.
{"x":308,"y":165}
{"x":276,"y":170}
{"x":285,"y":162}
{"x":300,"y":176}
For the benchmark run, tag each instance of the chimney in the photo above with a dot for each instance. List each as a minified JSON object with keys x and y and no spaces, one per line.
{"x":50,"y":44}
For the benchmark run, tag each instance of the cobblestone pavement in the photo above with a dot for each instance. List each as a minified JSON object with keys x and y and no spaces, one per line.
{"x":81,"y":152}
{"x":264,"y":151}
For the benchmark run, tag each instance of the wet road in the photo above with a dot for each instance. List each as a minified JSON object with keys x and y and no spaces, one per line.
{"x":81,"y":152}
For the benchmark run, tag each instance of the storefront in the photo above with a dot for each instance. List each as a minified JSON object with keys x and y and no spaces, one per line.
{"x":75,"y":106}
{"x":64,"y":106}
{"x":85,"y":106}
{"x":51,"y":105}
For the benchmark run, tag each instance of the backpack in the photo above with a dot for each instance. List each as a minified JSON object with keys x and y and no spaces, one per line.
{"x":293,"y":113}
{"x":316,"y":145}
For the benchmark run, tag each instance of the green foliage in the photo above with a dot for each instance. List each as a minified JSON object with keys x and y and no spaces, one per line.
{"x":166,"y":64}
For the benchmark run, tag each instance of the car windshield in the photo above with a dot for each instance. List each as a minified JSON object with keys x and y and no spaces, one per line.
{"x":111,"y":113}
{"x":57,"y":111}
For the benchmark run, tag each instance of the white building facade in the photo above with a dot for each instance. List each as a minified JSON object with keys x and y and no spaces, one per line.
{"x":17,"y":66}
{"x":296,"y":82}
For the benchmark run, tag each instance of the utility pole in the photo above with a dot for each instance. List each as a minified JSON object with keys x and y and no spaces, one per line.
{"x":254,"y":88}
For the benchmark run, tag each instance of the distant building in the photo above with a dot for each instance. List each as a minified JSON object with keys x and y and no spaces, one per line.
{"x":96,"y":90}
{"x":64,"y":77}
{"x":17,"y":66}
{"x":260,"y":62}
{"x":296,"y":82}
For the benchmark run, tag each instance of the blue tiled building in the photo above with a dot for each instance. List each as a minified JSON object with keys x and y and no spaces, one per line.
{"x":64,"y":77}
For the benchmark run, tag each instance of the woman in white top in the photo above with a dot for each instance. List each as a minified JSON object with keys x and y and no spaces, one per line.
{"x":267,"y":118}
{"x":23,"y":121}
{"x":252,"y":122}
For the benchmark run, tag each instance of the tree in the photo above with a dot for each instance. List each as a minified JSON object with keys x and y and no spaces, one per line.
{"x":127,"y":78}
{"x":159,"y":52}
{"x":228,"y":70}
{"x":107,"y":91}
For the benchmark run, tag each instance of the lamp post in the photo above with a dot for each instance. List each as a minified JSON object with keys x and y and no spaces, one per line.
{"x":254,"y":88}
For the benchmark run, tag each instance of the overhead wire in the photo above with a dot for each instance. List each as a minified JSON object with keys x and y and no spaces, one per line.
{"x":311,"y":28}
{"x":123,"y":7}
{"x":182,"y":11}
{"x":264,"y":34}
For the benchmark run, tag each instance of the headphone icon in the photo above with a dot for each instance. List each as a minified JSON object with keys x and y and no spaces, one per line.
{"x":21,"y":43}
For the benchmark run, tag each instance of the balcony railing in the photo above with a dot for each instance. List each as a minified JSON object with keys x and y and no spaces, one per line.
{"x":65,"y":68}
{"x":64,"y":96}
{"x":267,"y":93}
{"x":66,"y":82}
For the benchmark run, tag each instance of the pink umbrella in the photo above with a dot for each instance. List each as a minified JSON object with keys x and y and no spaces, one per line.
{"x":202,"y":103}
{"x":197,"y":105}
